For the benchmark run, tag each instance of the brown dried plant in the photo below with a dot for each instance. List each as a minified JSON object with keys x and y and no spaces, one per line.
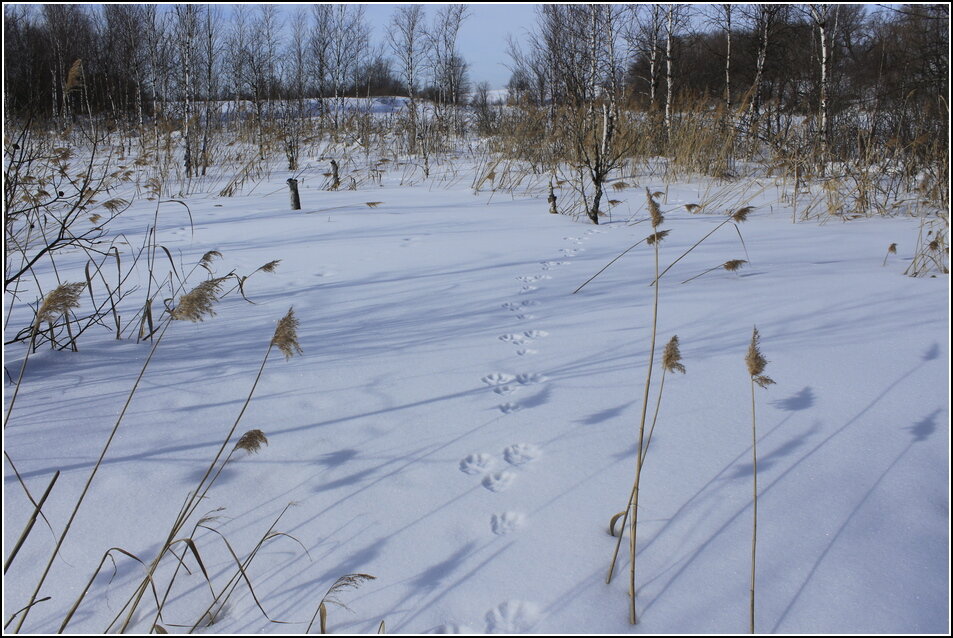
{"x":756,"y":364}
{"x":252,"y":441}
{"x":196,"y":305}
{"x":63,"y":298}
{"x":286,"y":335}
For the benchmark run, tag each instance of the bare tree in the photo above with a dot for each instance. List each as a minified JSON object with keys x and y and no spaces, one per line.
{"x":447,"y":64}
{"x":643,"y":36}
{"x":349,"y":41}
{"x":676,"y":18}
{"x":186,"y":31}
{"x":210,"y":51}
{"x":406,"y":40}
{"x":824,"y":20}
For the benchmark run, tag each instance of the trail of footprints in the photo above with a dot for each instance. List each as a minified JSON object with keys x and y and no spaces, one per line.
{"x":512,"y":616}
{"x":501,"y":478}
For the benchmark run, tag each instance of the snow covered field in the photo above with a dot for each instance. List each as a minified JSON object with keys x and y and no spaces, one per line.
{"x":462,"y":427}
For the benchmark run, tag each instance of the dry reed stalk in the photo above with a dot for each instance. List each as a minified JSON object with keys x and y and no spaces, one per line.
{"x":739,"y":216}
{"x":344,"y":583}
{"x":92,"y":474}
{"x":671,"y":362}
{"x":657,"y":219}
{"x":756,"y":363}
{"x":732,"y":265}
{"x":285,"y":339}
{"x":60,"y":301}
{"x":891,"y":250}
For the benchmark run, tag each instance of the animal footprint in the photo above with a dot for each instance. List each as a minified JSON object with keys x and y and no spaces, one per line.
{"x":535,"y":334}
{"x":527,"y":289}
{"x":506,"y":522}
{"x":498,"y":481}
{"x":503,"y":390}
{"x":525,"y":351}
{"x":513,"y":338}
{"x":476,"y":463}
{"x":529,"y":379}
{"x":497,"y":378}
{"x":508,"y":408}
{"x":512,"y":617}
{"x":527,"y":316}
{"x":520,"y":453}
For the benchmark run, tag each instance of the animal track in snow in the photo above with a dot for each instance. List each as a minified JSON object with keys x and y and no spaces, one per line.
{"x":520,"y":453}
{"x":526,"y":289}
{"x":525,"y":351}
{"x":476,"y":463}
{"x":524,"y":317}
{"x":497,"y":378}
{"x":512,"y":617}
{"x":513,"y":338}
{"x":529,"y":378}
{"x":535,"y":334}
{"x":506,"y":522}
{"x":503,"y":390}
{"x":498,"y":481}
{"x":508,"y":408}
{"x":452,"y":628}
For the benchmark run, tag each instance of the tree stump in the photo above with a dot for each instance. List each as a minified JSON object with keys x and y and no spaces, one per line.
{"x":295,"y":198}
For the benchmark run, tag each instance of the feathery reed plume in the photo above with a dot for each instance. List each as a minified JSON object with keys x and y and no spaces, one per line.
{"x":741,"y":215}
{"x":654,"y":211}
{"x":63,"y":298}
{"x":672,"y":356}
{"x":619,"y":186}
{"x":197,"y":304}
{"x":286,"y":335}
{"x":756,"y":364}
{"x":344,"y":583}
{"x":731,"y":265}
{"x":891,"y":250}
{"x":373,"y":204}
{"x":252,"y":441}
{"x":692,"y":208}
{"x":656,"y":237}
{"x":207,"y":258}
{"x":270,"y":266}
{"x":756,"y":361}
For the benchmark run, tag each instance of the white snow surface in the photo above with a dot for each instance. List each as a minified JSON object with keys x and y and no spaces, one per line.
{"x":462,"y":427}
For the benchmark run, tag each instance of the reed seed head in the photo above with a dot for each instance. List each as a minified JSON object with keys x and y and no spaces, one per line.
{"x":654,"y":237}
{"x":286,"y":335}
{"x":692,"y":208}
{"x":252,"y":441}
{"x":270,"y":266}
{"x":741,"y":215}
{"x":654,"y":211}
{"x":672,"y":357}
{"x":208,"y":257}
{"x":892,"y":249}
{"x":62,"y":298}
{"x":756,"y":361}
{"x":197,"y":304}
{"x":733,"y":264}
